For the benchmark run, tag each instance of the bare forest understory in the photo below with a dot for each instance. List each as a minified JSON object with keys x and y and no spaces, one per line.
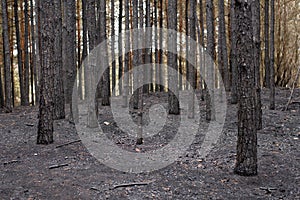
{"x":30,"y":171}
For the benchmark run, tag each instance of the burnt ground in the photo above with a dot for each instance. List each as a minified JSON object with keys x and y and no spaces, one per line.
{"x":28,"y":171}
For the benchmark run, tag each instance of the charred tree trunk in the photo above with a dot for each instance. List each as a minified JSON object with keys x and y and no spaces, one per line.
{"x":126,"y":58}
{"x":233,"y":50}
{"x":257,"y":56}
{"x":267,"y":50}
{"x":222,"y":47}
{"x":192,"y":50}
{"x":48,"y":19}
{"x":33,"y":44}
{"x":69,"y":51}
{"x":172,"y":59}
{"x":19,"y":49}
{"x":113,"y":46}
{"x":58,"y":98}
{"x":246,"y":163}
{"x":26,"y":55}
{"x":210,"y":110}
{"x":6,"y":49}
{"x":120,"y":46}
{"x":102,"y":38}
{"x":272,"y":51}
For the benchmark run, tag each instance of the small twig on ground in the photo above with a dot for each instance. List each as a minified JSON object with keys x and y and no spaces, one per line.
{"x":27,"y":124}
{"x":68,"y":143}
{"x":268,"y":189}
{"x":58,"y":166}
{"x":93,"y":188}
{"x":292,"y":91}
{"x":131,"y":184}
{"x":10,"y":162}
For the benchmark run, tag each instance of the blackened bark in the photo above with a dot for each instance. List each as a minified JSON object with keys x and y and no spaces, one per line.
{"x":20,"y":65}
{"x":135,"y":61}
{"x":120,"y":46}
{"x":210,"y":110}
{"x":1,"y":92}
{"x":172,"y":59}
{"x":7,"y":67}
{"x":272,"y":43}
{"x":102,"y":38}
{"x":201,"y":50}
{"x":84,"y":48}
{"x":34,"y":72}
{"x":26,"y":55}
{"x":148,"y":56}
{"x":126,"y":58}
{"x":267,"y":50}
{"x":246,"y":161}
{"x":156,"y":45}
{"x":192,"y":51}
{"x":257,"y":55}
{"x":160,"y":70}
{"x":233,"y":61}
{"x":58,"y":98}
{"x":37,"y":40}
{"x":47,"y":24}
{"x":69,"y":47}
{"x":222,"y":47}
{"x":113,"y":46}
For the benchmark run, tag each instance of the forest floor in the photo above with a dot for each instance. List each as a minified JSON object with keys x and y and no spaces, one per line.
{"x":31,"y":171}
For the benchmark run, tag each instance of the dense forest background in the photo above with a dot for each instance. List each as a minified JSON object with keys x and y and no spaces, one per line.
{"x":82,"y":29}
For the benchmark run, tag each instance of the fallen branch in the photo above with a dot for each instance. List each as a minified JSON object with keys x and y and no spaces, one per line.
{"x":31,"y":125}
{"x":58,"y":166}
{"x":10,"y":162}
{"x":267,"y":189}
{"x":131,"y":184}
{"x":62,"y":145}
{"x":293,"y":87}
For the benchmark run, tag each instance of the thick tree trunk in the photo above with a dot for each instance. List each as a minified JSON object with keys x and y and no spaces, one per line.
{"x":201,"y":50}
{"x":11,"y":45}
{"x":19,"y":49}
{"x":7,"y":67}
{"x":272,"y":51}
{"x":172,"y":59}
{"x":210,"y":110}
{"x":135,"y":52}
{"x":222,"y":47}
{"x":26,"y":55}
{"x":37,"y":40}
{"x":34,"y":73}
{"x":102,"y":38}
{"x":246,"y":163}
{"x":267,"y":52}
{"x":79,"y":56}
{"x":48,"y":18}
{"x":113,"y":46}
{"x":257,"y":56}
{"x":69,"y":47}
{"x":84,"y":48}
{"x":58,"y":98}
{"x":233,"y":50}
{"x":148,"y":56}
{"x":156,"y":45}
{"x":120,"y":46}
{"x":187,"y":67}
{"x":126,"y":58}
{"x":192,"y":51}
{"x":160,"y":70}
{"x":1,"y":92}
